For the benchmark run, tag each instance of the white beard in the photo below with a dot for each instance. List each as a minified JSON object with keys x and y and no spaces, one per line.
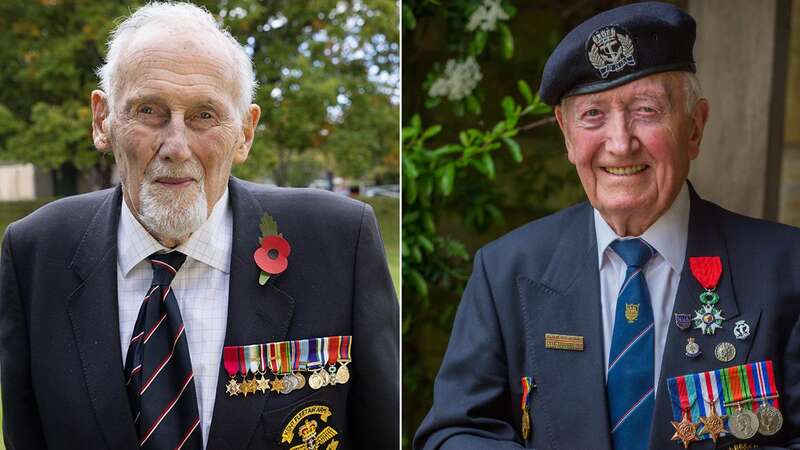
{"x":171,"y":215}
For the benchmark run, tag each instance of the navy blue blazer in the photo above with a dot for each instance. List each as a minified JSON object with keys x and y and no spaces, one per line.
{"x":61,"y":361}
{"x":544,"y":278}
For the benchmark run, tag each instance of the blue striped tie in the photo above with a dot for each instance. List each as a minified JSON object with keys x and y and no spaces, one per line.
{"x":160,"y":380}
{"x":630,"y":362}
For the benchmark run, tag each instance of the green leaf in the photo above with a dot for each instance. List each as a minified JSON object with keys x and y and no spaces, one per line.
{"x":418,"y":282}
{"x":409,"y":21}
{"x":473,"y":105}
{"x":513,"y":146}
{"x":447,"y":178}
{"x":525,"y":90}
{"x":464,"y":138}
{"x":416,"y":122}
{"x":268,"y":226}
{"x":488,"y":162}
{"x":428,"y":223}
{"x":446,"y":150}
{"x":409,"y":133}
{"x":263,"y":278}
{"x":507,"y":41}
{"x":425,"y":243}
{"x":478,"y":43}
{"x":431,"y":131}
{"x":508,"y":106}
{"x":410,"y":190}
{"x":409,"y":169}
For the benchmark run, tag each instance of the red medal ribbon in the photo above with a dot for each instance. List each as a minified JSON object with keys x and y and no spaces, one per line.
{"x":263,"y":366}
{"x":333,"y":349}
{"x":526,"y":390}
{"x":242,"y":361}
{"x":285,"y":349}
{"x":230,"y":358}
{"x":273,"y":357}
{"x":706,"y":270}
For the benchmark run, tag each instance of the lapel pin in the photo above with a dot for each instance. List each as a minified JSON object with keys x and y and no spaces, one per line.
{"x":683,"y":321}
{"x":692,"y":348}
{"x":563,"y":342}
{"x":741,"y":330}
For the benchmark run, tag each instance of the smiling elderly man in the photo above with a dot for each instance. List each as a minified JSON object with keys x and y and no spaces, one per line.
{"x":645,"y":317}
{"x":185,"y":308}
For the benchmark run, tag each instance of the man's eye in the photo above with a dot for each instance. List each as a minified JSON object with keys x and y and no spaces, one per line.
{"x":647,"y":109}
{"x":146,"y":110}
{"x":594,"y":112}
{"x":205,"y":115}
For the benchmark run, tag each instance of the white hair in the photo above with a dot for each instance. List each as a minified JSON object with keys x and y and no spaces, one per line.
{"x":176,"y":14}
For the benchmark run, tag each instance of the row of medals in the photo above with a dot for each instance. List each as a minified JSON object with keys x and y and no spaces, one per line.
{"x":743,"y":423}
{"x":290,"y":382}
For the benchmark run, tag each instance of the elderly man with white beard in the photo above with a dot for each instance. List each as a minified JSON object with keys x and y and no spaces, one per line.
{"x":186,"y":308}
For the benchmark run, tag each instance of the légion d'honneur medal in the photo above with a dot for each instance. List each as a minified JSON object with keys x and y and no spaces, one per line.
{"x":286,"y":361}
{"x":707,"y":271}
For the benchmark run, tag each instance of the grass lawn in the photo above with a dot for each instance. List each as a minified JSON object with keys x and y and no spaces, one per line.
{"x":387,"y":210}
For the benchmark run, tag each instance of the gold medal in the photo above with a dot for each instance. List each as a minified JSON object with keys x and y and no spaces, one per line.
{"x":770,"y":420}
{"x":713,"y":424}
{"x":262,"y":384}
{"x":526,"y":424}
{"x":277,"y":385}
{"x":685,"y":430}
{"x":232,"y":388}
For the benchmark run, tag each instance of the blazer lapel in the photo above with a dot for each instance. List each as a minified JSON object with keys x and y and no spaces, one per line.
{"x":93,"y":312}
{"x":705,"y":238}
{"x":571,"y":385}
{"x":256,"y":314}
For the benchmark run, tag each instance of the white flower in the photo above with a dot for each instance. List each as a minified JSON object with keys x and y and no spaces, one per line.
{"x":458,"y":80}
{"x":486,"y":16}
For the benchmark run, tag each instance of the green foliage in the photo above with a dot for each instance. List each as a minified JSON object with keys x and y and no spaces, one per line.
{"x":327,"y":72}
{"x":473,"y":168}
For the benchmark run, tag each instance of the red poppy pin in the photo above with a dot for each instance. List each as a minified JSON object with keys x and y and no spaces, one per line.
{"x":272,"y":255}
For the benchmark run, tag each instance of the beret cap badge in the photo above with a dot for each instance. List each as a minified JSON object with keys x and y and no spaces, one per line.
{"x":610,"y":49}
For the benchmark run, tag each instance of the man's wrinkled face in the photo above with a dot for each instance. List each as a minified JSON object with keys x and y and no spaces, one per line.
{"x":631,"y":145}
{"x":175,"y":130}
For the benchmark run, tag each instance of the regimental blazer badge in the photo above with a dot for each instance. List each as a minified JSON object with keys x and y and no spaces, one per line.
{"x":310,"y":429}
{"x":610,"y":49}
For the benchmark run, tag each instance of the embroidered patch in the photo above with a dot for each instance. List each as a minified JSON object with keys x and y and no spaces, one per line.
{"x":610,"y":49}
{"x":310,"y":429}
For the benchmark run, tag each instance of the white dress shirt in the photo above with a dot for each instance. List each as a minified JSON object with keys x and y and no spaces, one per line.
{"x":668,"y":235}
{"x":200,"y":286}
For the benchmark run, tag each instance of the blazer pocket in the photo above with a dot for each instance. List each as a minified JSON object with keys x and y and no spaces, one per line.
{"x":284,"y":423}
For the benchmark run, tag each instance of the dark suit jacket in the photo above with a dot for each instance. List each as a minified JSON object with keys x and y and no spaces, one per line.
{"x":61,"y":362}
{"x":544,"y":278}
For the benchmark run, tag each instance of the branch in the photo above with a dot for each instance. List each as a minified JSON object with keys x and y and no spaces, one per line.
{"x":538,"y":123}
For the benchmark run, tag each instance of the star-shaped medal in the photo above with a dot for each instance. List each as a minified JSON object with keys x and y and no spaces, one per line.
{"x":232,"y":388}
{"x":277,"y":385}
{"x":685,"y":430}
{"x":248,"y":387}
{"x":713,"y":424}
{"x":708,"y":319}
{"x":263,"y":385}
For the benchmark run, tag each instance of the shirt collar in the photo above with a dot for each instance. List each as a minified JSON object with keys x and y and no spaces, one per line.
{"x":668,"y":235}
{"x":211,"y":244}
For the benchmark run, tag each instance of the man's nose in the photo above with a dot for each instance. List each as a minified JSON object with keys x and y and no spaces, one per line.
{"x":175,"y":146}
{"x":620,"y":139}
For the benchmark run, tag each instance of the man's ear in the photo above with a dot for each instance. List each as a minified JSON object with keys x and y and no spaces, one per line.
{"x":100,"y":113}
{"x":249,"y":124}
{"x":699,"y":119}
{"x":559,"y":112}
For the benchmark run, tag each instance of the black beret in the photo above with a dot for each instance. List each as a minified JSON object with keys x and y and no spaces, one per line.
{"x":618,"y":46}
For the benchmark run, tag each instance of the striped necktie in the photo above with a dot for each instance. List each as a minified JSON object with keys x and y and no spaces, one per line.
{"x":160,"y":381}
{"x":630,"y":362}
